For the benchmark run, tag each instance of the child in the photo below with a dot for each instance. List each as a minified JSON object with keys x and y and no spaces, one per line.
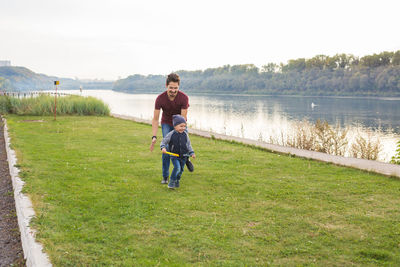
{"x":178,"y":142}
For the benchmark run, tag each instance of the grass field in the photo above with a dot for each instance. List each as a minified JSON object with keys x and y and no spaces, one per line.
{"x":99,"y":202}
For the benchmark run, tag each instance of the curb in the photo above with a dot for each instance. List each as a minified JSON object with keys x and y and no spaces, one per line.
{"x":33,"y":251}
{"x":362,"y":164}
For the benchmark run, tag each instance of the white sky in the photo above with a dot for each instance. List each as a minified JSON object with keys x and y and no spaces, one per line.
{"x":108,"y":39}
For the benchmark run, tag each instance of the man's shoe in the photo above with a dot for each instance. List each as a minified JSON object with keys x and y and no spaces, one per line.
{"x":177,"y":184}
{"x":164,"y":180}
{"x":189,"y":165}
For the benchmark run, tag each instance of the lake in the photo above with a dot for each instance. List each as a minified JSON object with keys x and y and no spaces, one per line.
{"x":270,"y":118}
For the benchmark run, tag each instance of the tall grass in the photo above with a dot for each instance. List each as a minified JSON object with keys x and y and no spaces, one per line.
{"x":366,"y":147}
{"x":5,"y":105}
{"x":44,"y":105}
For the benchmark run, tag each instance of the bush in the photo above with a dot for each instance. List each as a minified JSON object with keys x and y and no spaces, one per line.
{"x":44,"y":105}
{"x":396,"y":158}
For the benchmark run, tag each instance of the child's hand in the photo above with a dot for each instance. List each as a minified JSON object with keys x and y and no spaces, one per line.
{"x":193,"y":156}
{"x":164,"y":150}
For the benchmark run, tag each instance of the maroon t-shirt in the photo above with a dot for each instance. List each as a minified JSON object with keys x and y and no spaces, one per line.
{"x":169,"y":107}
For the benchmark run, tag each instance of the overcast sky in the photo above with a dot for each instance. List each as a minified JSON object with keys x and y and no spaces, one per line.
{"x":115,"y":38}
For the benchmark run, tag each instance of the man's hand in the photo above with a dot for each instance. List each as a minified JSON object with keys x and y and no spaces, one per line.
{"x":193,"y":156}
{"x":153,"y":142}
{"x":164,"y":150}
{"x":154,"y":127}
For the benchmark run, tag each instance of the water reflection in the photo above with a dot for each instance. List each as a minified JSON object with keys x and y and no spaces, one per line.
{"x":269,"y":118}
{"x":373,"y":113}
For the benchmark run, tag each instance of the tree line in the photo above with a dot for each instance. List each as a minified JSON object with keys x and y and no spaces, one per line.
{"x":341,"y":74}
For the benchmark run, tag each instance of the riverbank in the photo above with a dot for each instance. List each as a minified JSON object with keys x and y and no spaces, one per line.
{"x":98,"y":200}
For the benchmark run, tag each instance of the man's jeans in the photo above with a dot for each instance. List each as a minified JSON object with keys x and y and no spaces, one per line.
{"x":179,"y":164}
{"x":166,"y":128}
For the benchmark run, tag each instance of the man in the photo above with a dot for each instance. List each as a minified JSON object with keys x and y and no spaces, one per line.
{"x":172,"y":102}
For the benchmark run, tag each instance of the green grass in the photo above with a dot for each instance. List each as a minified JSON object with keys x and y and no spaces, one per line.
{"x":99,"y":202}
{"x":44,"y":105}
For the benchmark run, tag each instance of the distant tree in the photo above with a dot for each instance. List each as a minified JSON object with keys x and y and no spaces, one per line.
{"x":331,"y":63}
{"x":385,"y":58}
{"x":252,"y":69}
{"x":396,"y":58}
{"x":354,"y":82}
{"x":344,"y":61}
{"x":209,"y":72}
{"x":318,"y":62}
{"x":243,"y":69}
{"x":377,"y":60}
{"x":364,"y":82}
{"x":295,"y":64}
{"x":223,"y":70}
{"x":270,"y":68}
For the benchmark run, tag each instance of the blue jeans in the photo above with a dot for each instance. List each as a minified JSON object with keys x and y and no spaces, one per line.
{"x":166,"y":128}
{"x":179,"y":165}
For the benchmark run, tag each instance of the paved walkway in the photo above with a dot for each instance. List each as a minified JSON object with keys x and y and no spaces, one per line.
{"x":363,"y":164}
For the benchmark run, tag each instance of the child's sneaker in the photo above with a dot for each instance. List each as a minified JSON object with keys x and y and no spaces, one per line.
{"x":171,"y":185}
{"x":164,"y":180}
{"x":189,"y":165}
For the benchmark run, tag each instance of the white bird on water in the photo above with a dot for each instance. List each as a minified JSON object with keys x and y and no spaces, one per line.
{"x":313,"y":105}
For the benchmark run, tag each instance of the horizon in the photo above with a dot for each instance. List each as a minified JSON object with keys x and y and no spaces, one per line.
{"x":67,"y":39}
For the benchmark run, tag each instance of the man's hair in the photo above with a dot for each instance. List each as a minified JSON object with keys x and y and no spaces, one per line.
{"x":173,"y":77}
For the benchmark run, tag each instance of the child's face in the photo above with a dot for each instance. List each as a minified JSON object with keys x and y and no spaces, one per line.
{"x":180,"y":127}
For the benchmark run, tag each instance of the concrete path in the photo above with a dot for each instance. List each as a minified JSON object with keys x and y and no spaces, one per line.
{"x":363,"y":164}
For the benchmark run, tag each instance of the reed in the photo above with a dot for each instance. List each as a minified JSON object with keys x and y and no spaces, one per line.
{"x":303,"y":136}
{"x":5,"y":105}
{"x":333,"y":140}
{"x":44,"y":105}
{"x":366,"y":146}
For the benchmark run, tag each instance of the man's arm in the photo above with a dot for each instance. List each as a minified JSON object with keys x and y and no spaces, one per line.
{"x":154,"y":126}
{"x":184,"y":113}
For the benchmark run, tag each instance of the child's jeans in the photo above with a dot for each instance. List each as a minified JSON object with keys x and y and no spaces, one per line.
{"x":179,"y":165}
